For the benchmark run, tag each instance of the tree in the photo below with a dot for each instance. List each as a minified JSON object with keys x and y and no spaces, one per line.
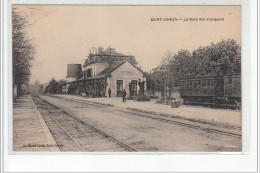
{"x":41,"y":89}
{"x":61,"y":83}
{"x":167,"y":59}
{"x":221,"y":58}
{"x":155,"y":82}
{"x":37,"y":82}
{"x":23,"y":51}
{"x":55,"y":87}
{"x":179,"y":67}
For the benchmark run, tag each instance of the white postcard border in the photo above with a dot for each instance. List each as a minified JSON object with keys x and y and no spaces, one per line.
{"x":155,"y":162}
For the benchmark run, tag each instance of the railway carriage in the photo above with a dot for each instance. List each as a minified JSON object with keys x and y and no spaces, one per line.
{"x":215,"y":91}
{"x":232,"y":87}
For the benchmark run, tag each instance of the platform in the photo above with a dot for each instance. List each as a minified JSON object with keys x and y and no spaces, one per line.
{"x":213,"y":115}
{"x":30,"y":132}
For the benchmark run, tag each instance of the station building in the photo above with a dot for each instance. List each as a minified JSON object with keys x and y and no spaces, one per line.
{"x":106,"y":69}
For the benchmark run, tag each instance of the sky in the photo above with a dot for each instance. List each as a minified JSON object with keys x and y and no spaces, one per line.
{"x":64,"y":34}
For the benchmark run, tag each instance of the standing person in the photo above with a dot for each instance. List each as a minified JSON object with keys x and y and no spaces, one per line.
{"x":124,"y":96}
{"x":109,"y":92}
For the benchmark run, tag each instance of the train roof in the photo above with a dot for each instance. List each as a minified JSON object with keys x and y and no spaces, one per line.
{"x":208,"y":77}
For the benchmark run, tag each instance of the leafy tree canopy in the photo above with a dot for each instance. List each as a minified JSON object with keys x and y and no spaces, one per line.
{"x":222,"y":58}
{"x":22,"y":49}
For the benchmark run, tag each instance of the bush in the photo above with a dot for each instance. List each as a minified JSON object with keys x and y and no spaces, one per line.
{"x":154,"y":97}
{"x":143,"y":98}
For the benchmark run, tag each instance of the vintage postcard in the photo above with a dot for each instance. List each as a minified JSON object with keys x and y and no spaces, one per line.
{"x":120,"y":78}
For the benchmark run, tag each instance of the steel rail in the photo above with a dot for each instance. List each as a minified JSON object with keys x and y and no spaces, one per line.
{"x":61,"y":127}
{"x":184,"y":124}
{"x":136,"y":113}
{"x":118,"y":141}
{"x":123,"y":144}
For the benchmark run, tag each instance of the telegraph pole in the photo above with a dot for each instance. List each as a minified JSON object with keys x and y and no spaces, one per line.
{"x":165,"y":87}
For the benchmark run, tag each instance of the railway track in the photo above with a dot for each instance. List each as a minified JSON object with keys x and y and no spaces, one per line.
{"x":187,"y":123}
{"x":74,"y":134}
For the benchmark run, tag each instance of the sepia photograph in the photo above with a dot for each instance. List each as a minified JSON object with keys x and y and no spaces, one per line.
{"x":126,"y":78}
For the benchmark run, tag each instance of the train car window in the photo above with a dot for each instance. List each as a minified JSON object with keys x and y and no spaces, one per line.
{"x":211,"y":82}
{"x":229,"y":79}
{"x":203,"y":83}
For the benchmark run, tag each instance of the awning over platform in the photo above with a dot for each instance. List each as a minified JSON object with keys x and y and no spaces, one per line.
{"x":86,"y":80}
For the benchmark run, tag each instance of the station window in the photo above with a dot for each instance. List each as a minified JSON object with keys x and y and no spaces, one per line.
{"x":85,"y":74}
{"x":88,"y":73}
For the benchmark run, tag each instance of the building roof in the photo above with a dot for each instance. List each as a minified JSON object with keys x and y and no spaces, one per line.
{"x":114,"y":66}
{"x":111,"y":68}
{"x":105,"y":72}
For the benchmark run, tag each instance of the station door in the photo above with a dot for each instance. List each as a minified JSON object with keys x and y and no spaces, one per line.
{"x":119,"y":88}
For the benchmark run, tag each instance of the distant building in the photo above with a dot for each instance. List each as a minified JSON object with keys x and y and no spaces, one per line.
{"x":162,"y":68}
{"x":107,"y":69}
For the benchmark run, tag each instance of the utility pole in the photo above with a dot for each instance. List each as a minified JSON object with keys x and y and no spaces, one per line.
{"x":165,"y":88}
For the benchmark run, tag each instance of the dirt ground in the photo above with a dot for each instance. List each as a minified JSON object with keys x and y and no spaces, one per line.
{"x":147,"y":134}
